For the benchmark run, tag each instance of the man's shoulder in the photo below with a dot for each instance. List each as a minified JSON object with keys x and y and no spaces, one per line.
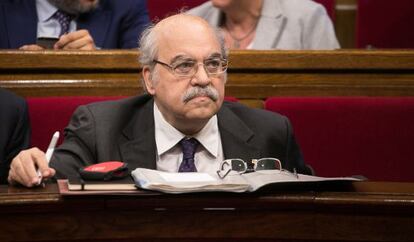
{"x":124,"y":4}
{"x":247,"y":114}
{"x":13,"y":2}
{"x":113,"y":113}
{"x":10,"y":100}
{"x":17,"y":5}
{"x":299,"y":7}
{"x":12,"y":109}
{"x":119,"y":104}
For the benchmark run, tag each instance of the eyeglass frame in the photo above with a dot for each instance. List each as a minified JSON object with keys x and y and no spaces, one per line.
{"x":171,"y":68}
{"x":255,"y":166}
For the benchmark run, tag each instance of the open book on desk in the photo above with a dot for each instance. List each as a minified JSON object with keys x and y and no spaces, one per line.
{"x":203,"y":182}
{"x":126,"y":183}
{"x":73,"y":188}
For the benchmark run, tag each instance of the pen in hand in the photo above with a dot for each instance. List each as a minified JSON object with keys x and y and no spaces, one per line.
{"x":49,"y":153}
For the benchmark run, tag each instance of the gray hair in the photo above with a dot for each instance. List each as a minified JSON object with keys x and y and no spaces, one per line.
{"x":149,"y":45}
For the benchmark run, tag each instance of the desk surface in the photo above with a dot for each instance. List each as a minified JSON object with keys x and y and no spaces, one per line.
{"x":367,"y":211}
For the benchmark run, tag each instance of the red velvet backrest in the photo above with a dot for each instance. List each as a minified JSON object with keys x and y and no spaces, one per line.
{"x":329,"y":6}
{"x":343,"y":136}
{"x":385,"y":24}
{"x":159,"y":9}
{"x":50,"y":114}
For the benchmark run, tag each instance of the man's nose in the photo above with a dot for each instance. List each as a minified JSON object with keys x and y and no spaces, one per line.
{"x":201,"y":76}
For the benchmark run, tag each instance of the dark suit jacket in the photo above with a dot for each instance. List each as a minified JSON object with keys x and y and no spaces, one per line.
{"x":124,"y":130}
{"x":14,"y":130}
{"x":114,"y":24}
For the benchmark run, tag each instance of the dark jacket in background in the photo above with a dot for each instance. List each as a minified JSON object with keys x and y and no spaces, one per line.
{"x":114,"y":24}
{"x":14,"y":130}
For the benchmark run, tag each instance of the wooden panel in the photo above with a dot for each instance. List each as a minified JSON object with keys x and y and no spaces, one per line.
{"x":252,"y":76}
{"x":125,"y":61}
{"x":365,"y":211}
{"x":345,"y":23}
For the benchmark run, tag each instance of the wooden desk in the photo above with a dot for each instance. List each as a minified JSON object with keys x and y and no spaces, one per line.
{"x":252,"y":75}
{"x":367,"y":211}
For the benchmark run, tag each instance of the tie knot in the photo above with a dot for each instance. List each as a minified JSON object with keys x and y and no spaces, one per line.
{"x":189,"y":147}
{"x":64,"y":20}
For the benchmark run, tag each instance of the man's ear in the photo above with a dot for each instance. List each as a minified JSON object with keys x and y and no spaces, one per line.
{"x":148,"y":82}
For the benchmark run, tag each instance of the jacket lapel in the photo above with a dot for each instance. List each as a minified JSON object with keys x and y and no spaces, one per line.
{"x":270,"y":26}
{"x":137,"y":146}
{"x":236,"y":137}
{"x":97,"y":23}
{"x":21,"y":22}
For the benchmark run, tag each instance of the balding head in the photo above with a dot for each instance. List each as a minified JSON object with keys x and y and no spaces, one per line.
{"x":173,"y":28}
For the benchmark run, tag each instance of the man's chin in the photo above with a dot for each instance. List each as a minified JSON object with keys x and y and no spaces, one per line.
{"x":201,"y":107}
{"x":202,"y":110}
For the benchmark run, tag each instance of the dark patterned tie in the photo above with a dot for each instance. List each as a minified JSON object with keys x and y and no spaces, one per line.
{"x":64,"y":21}
{"x":189,"y":147}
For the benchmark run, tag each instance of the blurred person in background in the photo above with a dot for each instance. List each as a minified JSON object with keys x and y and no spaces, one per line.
{"x":271,"y":24}
{"x":14,"y":130}
{"x":71,"y":24}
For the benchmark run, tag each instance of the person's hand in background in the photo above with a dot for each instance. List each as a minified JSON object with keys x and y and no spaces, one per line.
{"x":23,"y":169}
{"x":78,"y":40}
{"x":31,"y":47}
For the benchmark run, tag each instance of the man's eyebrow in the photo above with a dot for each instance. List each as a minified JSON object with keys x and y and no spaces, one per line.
{"x":215,"y":55}
{"x":180,"y":58}
{"x":188,"y":58}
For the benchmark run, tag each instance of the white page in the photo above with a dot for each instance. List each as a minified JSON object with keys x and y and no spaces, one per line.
{"x":234,"y":182}
{"x":187,"y":177}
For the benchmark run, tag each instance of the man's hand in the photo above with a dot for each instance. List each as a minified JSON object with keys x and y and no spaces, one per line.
{"x":24,"y":166}
{"x":78,"y":40}
{"x":31,"y":47}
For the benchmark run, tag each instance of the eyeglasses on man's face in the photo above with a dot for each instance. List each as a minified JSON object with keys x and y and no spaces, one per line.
{"x":240,"y":166}
{"x":189,"y":67}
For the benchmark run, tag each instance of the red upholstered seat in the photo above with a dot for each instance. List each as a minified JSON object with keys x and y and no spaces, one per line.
{"x":50,"y":114}
{"x":385,"y":24}
{"x":343,"y":136}
{"x":159,"y":9}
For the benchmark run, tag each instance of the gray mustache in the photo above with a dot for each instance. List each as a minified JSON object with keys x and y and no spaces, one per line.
{"x":198,"y":91}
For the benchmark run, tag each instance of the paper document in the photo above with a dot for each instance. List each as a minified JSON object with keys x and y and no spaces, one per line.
{"x":234,"y":182}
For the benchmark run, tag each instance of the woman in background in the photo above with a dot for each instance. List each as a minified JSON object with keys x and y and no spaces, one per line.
{"x":270,"y":24}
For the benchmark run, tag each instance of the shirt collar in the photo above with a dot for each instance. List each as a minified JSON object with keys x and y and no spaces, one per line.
{"x":45,"y":10}
{"x":166,"y":136}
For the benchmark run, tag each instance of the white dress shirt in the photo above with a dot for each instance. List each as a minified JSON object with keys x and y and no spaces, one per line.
{"x":46,"y":25}
{"x":208,"y":155}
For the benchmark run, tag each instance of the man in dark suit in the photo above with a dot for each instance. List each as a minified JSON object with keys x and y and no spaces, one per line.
{"x":184,"y":72}
{"x":91,"y":24}
{"x":14,"y":130}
